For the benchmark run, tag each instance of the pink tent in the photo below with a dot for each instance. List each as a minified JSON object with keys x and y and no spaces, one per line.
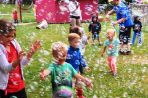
{"x":50,"y":10}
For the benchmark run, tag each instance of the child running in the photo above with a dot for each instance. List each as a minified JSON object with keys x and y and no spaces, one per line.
{"x":112,"y":45}
{"x":62,"y":73}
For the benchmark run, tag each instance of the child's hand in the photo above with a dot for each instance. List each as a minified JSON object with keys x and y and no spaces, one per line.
{"x":88,"y":83}
{"x":88,"y":35}
{"x":87,"y":69}
{"x":43,"y":74}
{"x":102,"y":54}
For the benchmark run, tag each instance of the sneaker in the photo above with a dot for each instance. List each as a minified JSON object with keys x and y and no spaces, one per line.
{"x":114,"y":74}
{"x":128,"y":52}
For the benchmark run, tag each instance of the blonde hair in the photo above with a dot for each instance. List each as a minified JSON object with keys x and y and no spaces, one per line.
{"x":110,"y":32}
{"x":73,"y":36}
{"x":59,"y":51}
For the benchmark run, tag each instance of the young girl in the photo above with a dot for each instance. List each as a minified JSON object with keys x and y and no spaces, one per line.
{"x":15,"y":16}
{"x":95,"y":29}
{"x":12,"y":62}
{"x":137,"y":31}
{"x":112,"y":45}
{"x":62,"y":73}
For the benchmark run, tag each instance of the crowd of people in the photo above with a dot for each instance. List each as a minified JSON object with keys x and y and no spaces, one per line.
{"x":67,"y":69}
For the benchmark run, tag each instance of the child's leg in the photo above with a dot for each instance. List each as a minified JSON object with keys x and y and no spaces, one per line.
{"x":109,"y":63}
{"x":140,"y":38}
{"x":134,"y":38}
{"x":93,"y":38}
{"x":79,"y":89}
{"x":113,"y":64}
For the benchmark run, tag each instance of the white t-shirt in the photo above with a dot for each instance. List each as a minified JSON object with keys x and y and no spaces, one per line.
{"x":74,"y":11}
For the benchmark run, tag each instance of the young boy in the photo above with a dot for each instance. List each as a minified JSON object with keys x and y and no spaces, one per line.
{"x":137,"y":31}
{"x":62,"y":73}
{"x":95,"y":29}
{"x":75,"y":58}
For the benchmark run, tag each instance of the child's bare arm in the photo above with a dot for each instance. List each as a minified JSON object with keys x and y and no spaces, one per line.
{"x":85,"y":80}
{"x":44,"y":73}
{"x":104,"y":49}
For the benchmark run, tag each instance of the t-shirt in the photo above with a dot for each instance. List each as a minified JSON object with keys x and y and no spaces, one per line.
{"x":74,"y":11}
{"x":122,"y":11}
{"x":61,"y":78}
{"x":137,"y":26}
{"x":94,"y":27}
{"x":15,"y":82}
{"x":112,"y":47}
{"x":75,"y":58}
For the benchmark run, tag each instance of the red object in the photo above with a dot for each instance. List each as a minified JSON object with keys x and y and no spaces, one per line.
{"x":49,"y":10}
{"x":14,"y":15}
{"x":15,"y":82}
{"x":80,"y":93}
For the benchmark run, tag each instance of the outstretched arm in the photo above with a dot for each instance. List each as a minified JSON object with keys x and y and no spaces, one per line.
{"x":85,"y":80}
{"x":104,"y":49}
{"x":44,"y":73}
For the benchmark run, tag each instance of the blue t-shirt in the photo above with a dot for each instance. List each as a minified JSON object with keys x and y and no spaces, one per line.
{"x":122,"y":11}
{"x":75,"y":58}
{"x":112,"y":47}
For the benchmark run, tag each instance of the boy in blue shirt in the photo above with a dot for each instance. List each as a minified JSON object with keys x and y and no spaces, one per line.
{"x":125,"y":23}
{"x":75,"y":58}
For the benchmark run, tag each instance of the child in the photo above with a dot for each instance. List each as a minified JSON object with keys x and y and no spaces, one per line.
{"x":111,"y":44}
{"x":95,"y":29}
{"x":15,"y":16}
{"x":83,"y":41}
{"x":75,"y":58}
{"x":62,"y":73}
{"x":137,"y":31}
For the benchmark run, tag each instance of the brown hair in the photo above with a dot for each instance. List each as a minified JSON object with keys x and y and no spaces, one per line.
{"x":59,"y":51}
{"x":6,"y":26}
{"x":76,"y":30}
{"x":73,"y":36}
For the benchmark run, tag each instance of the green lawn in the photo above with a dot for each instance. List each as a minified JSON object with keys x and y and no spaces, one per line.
{"x":131,"y":81}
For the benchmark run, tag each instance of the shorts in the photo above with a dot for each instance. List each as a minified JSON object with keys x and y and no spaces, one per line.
{"x":95,"y":36}
{"x":125,"y":34}
{"x":76,"y":17}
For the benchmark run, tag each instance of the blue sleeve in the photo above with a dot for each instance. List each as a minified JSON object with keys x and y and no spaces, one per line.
{"x":83,"y":61}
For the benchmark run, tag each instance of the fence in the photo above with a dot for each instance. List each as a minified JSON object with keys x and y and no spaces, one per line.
{"x":140,"y":10}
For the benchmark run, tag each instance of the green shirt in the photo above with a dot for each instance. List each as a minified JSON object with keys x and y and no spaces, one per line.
{"x":61,"y":76}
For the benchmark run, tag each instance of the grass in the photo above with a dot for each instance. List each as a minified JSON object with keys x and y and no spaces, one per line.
{"x":131,"y":81}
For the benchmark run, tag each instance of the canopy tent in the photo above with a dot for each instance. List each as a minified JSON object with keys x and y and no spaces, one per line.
{"x":50,"y":10}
